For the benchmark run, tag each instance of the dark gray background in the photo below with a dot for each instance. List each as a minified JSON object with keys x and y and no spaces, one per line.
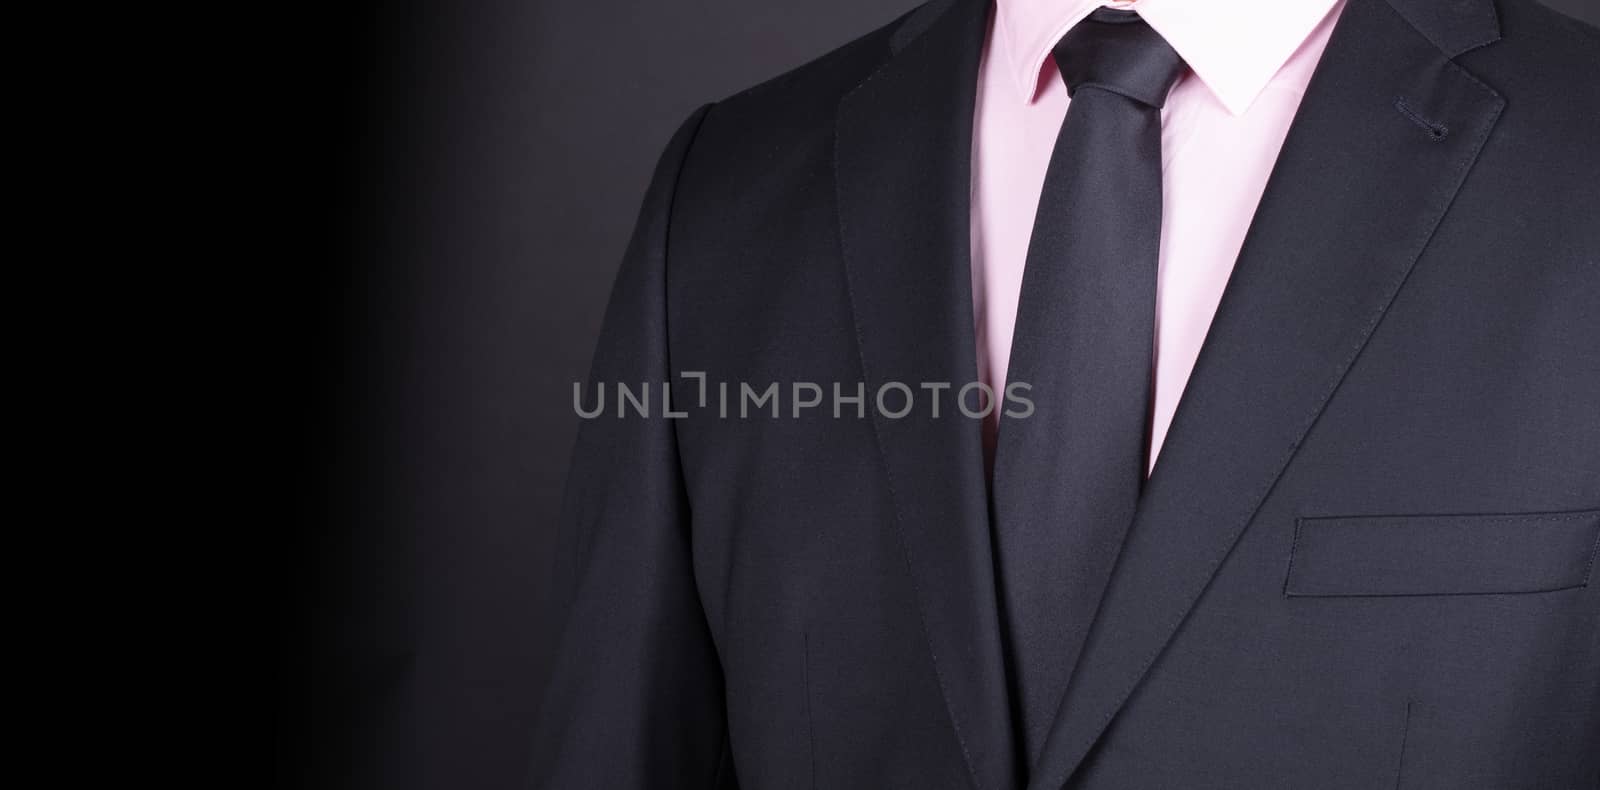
{"x":490,"y":158}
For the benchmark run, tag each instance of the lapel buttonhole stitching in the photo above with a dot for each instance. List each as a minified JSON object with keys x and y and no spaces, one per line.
{"x":1436,"y":131}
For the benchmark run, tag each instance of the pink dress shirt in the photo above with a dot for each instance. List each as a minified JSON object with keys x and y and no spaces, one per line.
{"x":1222,"y":126}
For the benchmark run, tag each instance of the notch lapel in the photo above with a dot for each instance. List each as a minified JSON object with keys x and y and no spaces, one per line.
{"x":1387,"y":132}
{"x":903,"y":142}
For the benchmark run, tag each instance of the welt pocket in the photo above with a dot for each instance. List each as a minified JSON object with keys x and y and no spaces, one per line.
{"x":1339,"y":556}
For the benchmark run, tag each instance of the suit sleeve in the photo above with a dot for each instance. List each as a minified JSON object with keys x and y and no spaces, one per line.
{"x":635,"y":699}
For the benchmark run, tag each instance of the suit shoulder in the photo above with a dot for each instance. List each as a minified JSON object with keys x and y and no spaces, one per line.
{"x":1546,"y":66}
{"x":1533,"y":16}
{"x":821,"y":81}
{"x":1539,"y":44}
{"x":781,"y":118}
{"x":770,"y":140}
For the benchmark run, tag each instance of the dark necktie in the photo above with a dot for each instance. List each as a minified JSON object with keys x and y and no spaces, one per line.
{"x":1067,"y":477}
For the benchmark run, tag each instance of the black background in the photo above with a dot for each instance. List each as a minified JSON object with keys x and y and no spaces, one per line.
{"x":479,"y":169}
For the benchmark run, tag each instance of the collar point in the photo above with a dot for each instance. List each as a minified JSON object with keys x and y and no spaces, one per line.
{"x":1237,"y":103}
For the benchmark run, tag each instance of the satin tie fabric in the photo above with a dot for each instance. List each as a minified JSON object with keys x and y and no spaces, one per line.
{"x":1067,"y":476}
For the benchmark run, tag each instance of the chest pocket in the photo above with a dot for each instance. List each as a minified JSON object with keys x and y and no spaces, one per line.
{"x":1350,"y":556}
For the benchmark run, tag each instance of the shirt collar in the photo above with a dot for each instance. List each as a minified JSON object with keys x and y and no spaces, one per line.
{"x":1234,"y":46}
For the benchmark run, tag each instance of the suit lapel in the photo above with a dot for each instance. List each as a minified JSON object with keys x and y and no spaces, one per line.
{"x":902,"y":169}
{"x":1387,"y":131}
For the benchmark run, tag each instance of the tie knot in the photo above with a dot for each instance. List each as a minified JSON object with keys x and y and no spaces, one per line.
{"x":1119,"y":52}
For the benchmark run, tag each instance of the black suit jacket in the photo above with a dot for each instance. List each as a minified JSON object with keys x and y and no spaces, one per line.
{"x":1365,"y":557}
